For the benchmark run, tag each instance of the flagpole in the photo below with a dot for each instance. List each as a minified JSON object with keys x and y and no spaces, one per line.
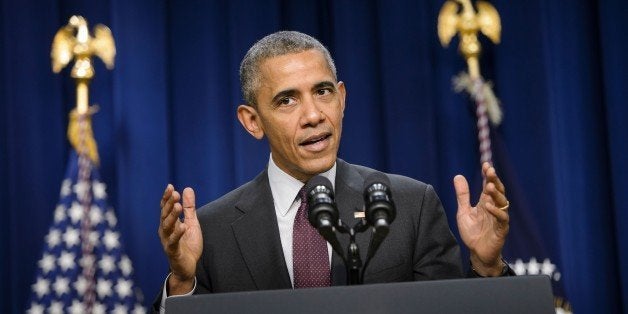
{"x":460,"y":17}
{"x":83,"y":268}
{"x":468,"y":23}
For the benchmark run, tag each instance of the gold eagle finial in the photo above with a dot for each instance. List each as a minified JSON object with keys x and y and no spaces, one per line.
{"x":468,"y":23}
{"x":73,"y":41}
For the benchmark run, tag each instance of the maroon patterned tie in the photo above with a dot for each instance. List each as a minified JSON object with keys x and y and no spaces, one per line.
{"x":310,"y":260}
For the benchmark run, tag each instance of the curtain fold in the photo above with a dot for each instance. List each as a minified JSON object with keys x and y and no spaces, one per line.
{"x":612,"y":17}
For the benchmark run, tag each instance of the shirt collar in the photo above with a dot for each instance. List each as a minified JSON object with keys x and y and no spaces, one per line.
{"x":285,"y":188}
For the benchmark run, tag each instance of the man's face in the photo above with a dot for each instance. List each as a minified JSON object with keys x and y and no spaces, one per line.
{"x":299,"y":108}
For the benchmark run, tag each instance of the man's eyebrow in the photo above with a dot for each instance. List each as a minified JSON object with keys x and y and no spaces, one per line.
{"x":324,"y":84}
{"x":292,"y":91}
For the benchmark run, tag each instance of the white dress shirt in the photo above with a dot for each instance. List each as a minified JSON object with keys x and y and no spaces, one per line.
{"x":285,"y":190}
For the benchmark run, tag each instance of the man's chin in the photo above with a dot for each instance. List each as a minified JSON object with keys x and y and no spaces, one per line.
{"x":319,"y":166}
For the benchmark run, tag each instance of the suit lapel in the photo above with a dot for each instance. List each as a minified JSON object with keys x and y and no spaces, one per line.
{"x":257,"y":235}
{"x":349,"y":200}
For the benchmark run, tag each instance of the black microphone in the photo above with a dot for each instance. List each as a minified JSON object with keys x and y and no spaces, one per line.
{"x":379,"y":208}
{"x":379,"y":211}
{"x":323,"y":213}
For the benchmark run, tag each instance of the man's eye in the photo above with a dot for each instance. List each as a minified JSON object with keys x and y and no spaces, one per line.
{"x":323,"y":91}
{"x":286,"y":101}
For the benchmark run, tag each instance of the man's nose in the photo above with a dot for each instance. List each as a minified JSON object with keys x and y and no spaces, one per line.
{"x":311,"y":112}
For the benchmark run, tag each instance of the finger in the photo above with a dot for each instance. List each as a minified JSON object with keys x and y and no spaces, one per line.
{"x":189,"y":204}
{"x":166,"y":196}
{"x":501,"y":215}
{"x":173,"y":240}
{"x":167,"y":208}
{"x":462,"y":191}
{"x":498,"y":198}
{"x":485,"y":166}
{"x":168,"y":224}
{"x":492,"y":176}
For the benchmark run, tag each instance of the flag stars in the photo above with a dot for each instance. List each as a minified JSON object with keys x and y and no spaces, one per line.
{"x":103,"y":288}
{"x":547,"y":268}
{"x":123,"y":288}
{"x":111,"y":240}
{"x":35,"y":309}
{"x":100,"y":189}
{"x":533,"y":267}
{"x":66,"y":260}
{"x":61,"y":286}
{"x":95,"y":215}
{"x":53,"y":238}
{"x":41,"y":287}
{"x":94,"y":238}
{"x":125,"y":266}
{"x":138,"y":309}
{"x":87,"y":261}
{"x":99,"y":308}
{"x":66,"y":188}
{"x":47,"y":263}
{"x":75,"y":212}
{"x":55,"y":307}
{"x":120,"y":309}
{"x":59,"y":213}
{"x":80,"y":285}
{"x":519,"y":268}
{"x":77,"y":307}
{"x":107,"y":264}
{"x":81,"y":189}
{"x":71,"y":237}
{"x":111,"y":218}
{"x":62,"y":280}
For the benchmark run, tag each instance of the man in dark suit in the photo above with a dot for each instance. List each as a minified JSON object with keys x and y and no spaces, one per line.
{"x":244,"y":240}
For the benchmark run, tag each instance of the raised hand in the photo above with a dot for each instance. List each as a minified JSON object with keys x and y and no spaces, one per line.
{"x":182,"y":240}
{"x":483,"y":228}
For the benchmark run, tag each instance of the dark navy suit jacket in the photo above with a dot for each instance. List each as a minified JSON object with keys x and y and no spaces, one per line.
{"x":242,"y":249}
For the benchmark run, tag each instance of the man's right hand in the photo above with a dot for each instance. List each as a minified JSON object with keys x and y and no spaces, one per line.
{"x":182,"y":240}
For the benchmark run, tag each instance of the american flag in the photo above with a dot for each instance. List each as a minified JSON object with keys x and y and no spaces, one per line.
{"x":83,"y":268}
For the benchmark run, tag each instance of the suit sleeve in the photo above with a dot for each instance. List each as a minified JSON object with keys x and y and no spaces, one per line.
{"x":437,"y":254}
{"x":201,"y":285}
{"x":202,"y":277}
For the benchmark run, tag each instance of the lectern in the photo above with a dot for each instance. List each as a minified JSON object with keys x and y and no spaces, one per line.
{"x":521,"y":294}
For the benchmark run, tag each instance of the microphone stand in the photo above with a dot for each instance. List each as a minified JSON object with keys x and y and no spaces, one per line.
{"x":353,"y":261}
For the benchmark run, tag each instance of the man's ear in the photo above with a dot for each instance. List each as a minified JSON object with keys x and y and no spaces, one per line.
{"x":250,"y":121}
{"x":343,"y":94}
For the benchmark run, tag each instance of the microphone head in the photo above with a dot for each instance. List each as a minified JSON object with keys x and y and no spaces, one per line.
{"x":319,"y":184}
{"x":378,"y":201}
{"x":376,"y":177}
{"x":320,"y":200}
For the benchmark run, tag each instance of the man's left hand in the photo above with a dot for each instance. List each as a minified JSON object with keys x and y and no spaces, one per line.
{"x":483,"y":228}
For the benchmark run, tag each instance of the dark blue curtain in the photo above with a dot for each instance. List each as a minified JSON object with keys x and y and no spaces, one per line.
{"x":167,"y":114}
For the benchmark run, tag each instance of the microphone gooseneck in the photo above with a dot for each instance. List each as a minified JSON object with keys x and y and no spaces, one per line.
{"x":379,"y":211}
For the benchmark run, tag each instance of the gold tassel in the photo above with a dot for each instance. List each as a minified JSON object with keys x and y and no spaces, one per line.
{"x":81,"y":135}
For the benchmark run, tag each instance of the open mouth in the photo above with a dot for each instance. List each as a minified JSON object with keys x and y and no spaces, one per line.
{"x":315,"y":139}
